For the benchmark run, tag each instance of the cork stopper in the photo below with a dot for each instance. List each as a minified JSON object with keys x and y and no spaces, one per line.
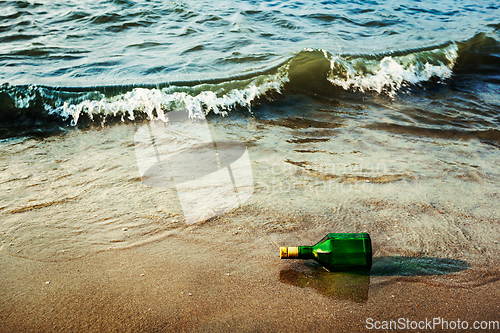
{"x":289,"y":252}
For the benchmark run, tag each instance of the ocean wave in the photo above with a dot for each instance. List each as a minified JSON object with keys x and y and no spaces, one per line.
{"x":381,"y":73}
{"x":310,"y":71}
{"x":156,"y":103}
{"x":389,"y":74}
{"x":104,"y":103}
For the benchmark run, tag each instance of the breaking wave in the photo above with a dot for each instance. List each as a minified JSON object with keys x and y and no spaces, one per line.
{"x":310,"y":70}
{"x":392,"y":72}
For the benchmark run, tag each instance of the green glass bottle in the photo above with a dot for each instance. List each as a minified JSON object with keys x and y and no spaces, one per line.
{"x":336,"y":252}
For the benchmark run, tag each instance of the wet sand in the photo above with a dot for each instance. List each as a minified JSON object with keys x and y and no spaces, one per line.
{"x":189,"y":282}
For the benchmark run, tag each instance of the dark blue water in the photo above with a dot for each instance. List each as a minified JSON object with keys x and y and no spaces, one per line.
{"x":120,"y":42}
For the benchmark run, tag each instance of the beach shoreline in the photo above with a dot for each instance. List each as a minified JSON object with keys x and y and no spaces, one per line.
{"x":87,"y":247}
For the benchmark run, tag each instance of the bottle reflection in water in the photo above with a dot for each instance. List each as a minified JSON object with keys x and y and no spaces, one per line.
{"x":352,"y":286}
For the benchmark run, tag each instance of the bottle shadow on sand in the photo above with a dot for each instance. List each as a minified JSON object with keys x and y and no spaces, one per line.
{"x":354,"y":286}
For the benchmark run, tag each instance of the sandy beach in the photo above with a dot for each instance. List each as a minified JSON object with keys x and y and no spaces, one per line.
{"x":189,"y":282}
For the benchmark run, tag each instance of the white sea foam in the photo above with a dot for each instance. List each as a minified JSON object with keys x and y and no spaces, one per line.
{"x":156,"y":103}
{"x":391,"y":73}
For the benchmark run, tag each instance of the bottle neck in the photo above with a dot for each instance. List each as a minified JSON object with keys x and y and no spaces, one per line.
{"x":306,"y":252}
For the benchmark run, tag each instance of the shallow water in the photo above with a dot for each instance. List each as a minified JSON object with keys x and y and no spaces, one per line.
{"x":416,"y":196}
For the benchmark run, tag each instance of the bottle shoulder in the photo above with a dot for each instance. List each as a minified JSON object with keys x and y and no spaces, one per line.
{"x":334,"y":235}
